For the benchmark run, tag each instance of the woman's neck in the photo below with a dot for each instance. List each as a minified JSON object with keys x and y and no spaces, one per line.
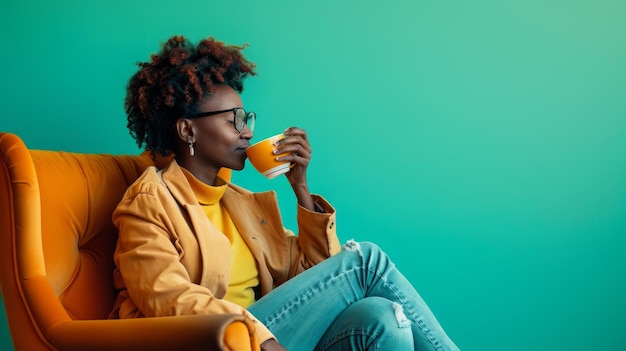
{"x":206,"y":175}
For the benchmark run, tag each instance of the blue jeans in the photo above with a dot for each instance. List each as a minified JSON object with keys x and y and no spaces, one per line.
{"x":355,"y":300}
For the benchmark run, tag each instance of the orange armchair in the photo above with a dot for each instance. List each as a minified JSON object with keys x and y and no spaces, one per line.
{"x":56,"y":258}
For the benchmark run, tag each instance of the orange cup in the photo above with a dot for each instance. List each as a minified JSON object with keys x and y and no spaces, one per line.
{"x":262,"y":157}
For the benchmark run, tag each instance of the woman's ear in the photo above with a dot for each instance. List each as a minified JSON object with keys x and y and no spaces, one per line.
{"x":185,"y":130}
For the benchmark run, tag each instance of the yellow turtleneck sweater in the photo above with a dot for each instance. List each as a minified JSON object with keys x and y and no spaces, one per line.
{"x":244,"y":276}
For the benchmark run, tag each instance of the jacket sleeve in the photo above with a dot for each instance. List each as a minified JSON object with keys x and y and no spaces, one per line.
{"x":317,"y":237}
{"x":148,"y":259}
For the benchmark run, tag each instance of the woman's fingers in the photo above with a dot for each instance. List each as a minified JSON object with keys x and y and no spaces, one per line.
{"x":296,"y":142}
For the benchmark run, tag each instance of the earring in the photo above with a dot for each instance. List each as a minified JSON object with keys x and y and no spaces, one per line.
{"x":192,"y":151}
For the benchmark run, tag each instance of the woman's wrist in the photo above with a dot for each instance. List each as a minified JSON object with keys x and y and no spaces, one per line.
{"x":304,"y":197}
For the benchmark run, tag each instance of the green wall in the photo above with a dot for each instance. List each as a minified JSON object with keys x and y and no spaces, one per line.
{"x":481,"y":143}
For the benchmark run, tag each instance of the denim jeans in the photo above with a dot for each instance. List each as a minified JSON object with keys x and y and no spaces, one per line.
{"x":355,"y":300}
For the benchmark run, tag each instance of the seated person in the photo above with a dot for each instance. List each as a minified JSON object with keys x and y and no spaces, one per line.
{"x":192,"y":243}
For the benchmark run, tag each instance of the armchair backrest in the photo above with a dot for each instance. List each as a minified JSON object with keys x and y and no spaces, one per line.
{"x":77,"y":195}
{"x":55,"y":227}
{"x":56,"y":234}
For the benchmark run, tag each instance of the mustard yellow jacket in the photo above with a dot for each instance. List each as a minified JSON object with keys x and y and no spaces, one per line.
{"x":171,"y":260}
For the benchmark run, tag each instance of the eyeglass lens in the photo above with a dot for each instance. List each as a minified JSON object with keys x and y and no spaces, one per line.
{"x":243,"y":118}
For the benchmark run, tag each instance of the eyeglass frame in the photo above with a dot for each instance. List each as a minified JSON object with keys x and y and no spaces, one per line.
{"x":249,"y":115}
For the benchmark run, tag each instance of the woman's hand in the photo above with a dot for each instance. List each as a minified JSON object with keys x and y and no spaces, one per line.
{"x":272,"y":345}
{"x":296,"y":144}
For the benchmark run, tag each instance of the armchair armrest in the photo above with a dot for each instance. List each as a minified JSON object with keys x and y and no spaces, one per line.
{"x":194,"y":332}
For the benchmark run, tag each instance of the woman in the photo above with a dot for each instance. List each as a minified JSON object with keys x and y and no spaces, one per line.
{"x":190,"y":242}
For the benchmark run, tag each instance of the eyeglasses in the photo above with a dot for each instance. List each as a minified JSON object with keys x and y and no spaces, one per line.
{"x":241,"y":118}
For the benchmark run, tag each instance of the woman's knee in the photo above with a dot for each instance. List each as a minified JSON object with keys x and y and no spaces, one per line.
{"x":370,"y":254}
{"x":364,"y":248}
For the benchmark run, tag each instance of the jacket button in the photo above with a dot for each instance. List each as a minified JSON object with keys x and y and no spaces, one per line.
{"x":263,"y":221}
{"x":331,"y":225}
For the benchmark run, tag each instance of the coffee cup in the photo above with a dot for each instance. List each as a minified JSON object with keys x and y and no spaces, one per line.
{"x":262,"y":157}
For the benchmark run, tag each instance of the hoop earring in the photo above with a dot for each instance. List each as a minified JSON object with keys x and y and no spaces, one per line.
{"x":192,"y":151}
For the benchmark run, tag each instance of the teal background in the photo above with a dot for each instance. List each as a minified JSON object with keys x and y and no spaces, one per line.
{"x":480,"y":143}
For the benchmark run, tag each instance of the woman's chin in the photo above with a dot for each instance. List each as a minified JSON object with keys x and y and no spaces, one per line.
{"x":238,"y":167}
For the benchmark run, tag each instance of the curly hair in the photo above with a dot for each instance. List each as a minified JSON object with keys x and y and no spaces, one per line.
{"x":172,"y":84}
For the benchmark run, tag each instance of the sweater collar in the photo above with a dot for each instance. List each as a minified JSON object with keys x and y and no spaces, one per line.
{"x":206,"y":194}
